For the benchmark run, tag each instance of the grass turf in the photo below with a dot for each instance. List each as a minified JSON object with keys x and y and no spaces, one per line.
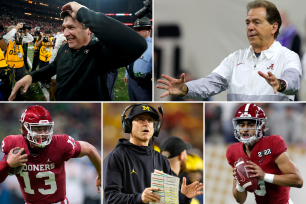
{"x":34,"y":92}
{"x":121,"y":88}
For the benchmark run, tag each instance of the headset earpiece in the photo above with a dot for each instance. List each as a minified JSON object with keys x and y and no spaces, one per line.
{"x":126,"y":122}
{"x":128,"y":125}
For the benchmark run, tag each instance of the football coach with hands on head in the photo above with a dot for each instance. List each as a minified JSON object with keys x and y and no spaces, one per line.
{"x":82,"y":64}
{"x":127,"y":169}
{"x":266,"y":71}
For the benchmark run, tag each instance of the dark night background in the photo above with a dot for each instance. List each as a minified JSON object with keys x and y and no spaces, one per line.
{"x":54,"y":7}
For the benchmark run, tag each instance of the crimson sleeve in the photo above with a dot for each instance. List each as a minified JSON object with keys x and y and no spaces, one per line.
{"x":229,"y":156}
{"x":77,"y":150}
{"x":279,"y":146}
{"x":4,"y":169}
{"x":72,"y":148}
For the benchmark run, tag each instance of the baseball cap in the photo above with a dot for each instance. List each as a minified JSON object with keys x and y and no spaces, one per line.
{"x":174,"y":145}
{"x":143,"y":108}
{"x":48,"y":31}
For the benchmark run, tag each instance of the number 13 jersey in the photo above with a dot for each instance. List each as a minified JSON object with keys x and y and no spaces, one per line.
{"x":264,"y":154}
{"x":43,"y":179}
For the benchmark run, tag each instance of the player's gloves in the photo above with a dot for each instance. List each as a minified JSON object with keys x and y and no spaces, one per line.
{"x":238,"y":187}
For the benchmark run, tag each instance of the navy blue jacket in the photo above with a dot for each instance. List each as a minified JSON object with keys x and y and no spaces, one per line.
{"x":127,"y":172}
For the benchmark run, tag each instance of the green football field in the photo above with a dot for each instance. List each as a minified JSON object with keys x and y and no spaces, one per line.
{"x":35,"y":93}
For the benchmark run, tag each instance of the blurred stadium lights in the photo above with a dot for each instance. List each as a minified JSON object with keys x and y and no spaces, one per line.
{"x":27,"y":14}
{"x":30,"y":2}
{"x":118,"y":14}
{"x":43,"y":4}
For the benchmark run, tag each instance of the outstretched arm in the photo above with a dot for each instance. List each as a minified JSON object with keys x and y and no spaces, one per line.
{"x":271,"y":80}
{"x":173,"y":86}
{"x":91,"y":152}
{"x":191,"y":190}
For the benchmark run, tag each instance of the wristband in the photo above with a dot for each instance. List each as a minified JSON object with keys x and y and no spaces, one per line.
{"x":268,"y":178}
{"x":239,"y":188}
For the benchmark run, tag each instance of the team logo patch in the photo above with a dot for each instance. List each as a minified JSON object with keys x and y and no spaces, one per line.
{"x":261,"y":160}
{"x":146,"y":108}
{"x":86,"y":51}
{"x":264,"y":153}
{"x":241,"y":176}
{"x":271,"y":66}
{"x":245,"y":115}
{"x":133,"y":171}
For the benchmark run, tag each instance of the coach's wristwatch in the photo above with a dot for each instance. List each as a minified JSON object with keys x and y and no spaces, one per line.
{"x":283,"y":85}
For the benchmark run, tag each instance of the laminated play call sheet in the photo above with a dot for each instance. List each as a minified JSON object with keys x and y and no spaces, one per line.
{"x":168,"y":187}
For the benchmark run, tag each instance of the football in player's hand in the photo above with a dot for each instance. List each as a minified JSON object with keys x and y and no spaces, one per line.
{"x":243,"y":177}
{"x":17,"y":169}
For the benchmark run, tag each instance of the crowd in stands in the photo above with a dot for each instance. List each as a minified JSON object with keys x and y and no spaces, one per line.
{"x":39,"y":23}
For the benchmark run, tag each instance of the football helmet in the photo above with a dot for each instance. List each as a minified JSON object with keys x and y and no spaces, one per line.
{"x":34,"y":118}
{"x":250,"y":112}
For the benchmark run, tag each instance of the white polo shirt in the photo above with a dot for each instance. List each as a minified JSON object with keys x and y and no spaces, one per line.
{"x":239,"y":74}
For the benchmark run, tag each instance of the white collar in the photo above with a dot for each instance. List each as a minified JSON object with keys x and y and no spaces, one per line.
{"x":273,"y":49}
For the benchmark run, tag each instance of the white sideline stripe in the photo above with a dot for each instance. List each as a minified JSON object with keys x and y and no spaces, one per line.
{"x":44,"y":90}
{"x":247,"y":184}
{"x":247,"y":107}
{"x":29,"y":62}
{"x":239,"y":163}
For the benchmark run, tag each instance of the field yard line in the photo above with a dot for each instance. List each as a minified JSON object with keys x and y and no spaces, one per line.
{"x":29,"y":62}
{"x":44,"y":90}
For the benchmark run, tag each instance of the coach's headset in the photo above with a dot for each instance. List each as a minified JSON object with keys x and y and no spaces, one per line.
{"x":127,"y":123}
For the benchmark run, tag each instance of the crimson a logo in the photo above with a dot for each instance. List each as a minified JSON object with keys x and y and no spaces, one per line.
{"x":271,"y":66}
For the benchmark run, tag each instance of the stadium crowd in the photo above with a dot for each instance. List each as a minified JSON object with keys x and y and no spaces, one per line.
{"x":40,"y":23}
